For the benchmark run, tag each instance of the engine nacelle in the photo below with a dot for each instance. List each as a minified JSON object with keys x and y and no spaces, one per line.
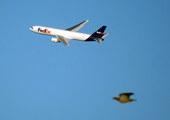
{"x":54,"y":40}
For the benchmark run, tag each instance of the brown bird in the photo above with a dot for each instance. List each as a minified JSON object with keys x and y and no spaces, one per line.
{"x":124,"y":98}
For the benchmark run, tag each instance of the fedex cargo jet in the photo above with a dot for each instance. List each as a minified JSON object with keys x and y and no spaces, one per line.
{"x":64,"y":36}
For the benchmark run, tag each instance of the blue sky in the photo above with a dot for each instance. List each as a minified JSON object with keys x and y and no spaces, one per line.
{"x":41,"y":80}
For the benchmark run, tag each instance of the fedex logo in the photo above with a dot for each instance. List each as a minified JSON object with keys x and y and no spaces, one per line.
{"x":99,"y":32}
{"x":43,"y":31}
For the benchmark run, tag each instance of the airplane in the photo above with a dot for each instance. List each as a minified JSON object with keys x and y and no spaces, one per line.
{"x":64,"y":36}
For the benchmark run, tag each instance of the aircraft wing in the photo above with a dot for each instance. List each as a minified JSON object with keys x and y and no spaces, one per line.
{"x":63,"y":40}
{"x":77,"y":27}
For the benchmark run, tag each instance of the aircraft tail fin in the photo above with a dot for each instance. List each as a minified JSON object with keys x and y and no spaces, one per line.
{"x":98,"y":35}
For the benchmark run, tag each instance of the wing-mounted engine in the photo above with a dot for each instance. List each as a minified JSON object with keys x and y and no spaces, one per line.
{"x":54,"y":40}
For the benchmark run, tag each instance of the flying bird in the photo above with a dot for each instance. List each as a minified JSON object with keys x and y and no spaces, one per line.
{"x":124,"y":98}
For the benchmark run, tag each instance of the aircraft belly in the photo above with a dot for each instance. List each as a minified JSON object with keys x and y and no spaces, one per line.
{"x":72,"y":35}
{"x":78,"y":36}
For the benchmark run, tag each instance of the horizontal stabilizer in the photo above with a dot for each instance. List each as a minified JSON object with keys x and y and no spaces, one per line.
{"x":99,"y":40}
{"x":104,"y":35}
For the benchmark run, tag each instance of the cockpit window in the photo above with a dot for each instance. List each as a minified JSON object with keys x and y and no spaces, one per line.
{"x":31,"y":27}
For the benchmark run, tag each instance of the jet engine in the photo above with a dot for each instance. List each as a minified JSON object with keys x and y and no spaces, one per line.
{"x":54,"y":40}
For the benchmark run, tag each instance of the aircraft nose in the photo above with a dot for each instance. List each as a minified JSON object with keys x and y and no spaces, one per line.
{"x":31,"y":28}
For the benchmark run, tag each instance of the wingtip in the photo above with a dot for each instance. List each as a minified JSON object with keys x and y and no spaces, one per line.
{"x":67,"y":45}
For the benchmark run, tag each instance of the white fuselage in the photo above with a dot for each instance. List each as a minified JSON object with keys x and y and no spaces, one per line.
{"x":59,"y":32}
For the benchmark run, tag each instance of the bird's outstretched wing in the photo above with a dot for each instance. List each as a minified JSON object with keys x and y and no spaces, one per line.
{"x":126,"y":94}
